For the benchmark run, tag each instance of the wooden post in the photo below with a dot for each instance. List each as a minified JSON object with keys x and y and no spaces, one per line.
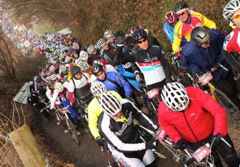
{"x":26,"y":147}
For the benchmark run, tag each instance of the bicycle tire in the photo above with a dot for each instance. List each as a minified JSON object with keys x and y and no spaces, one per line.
{"x":232,"y":110}
{"x":72,"y":131}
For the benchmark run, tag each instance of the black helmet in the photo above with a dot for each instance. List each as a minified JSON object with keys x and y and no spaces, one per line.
{"x":75,"y":70}
{"x":139,"y":34}
{"x":200,"y":35}
{"x":96,"y":68}
{"x":179,"y":6}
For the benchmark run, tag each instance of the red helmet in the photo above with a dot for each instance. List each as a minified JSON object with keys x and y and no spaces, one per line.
{"x":171,"y":17}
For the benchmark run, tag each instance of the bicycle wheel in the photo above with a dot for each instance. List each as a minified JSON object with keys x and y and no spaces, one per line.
{"x":232,"y":110}
{"x":72,"y":131}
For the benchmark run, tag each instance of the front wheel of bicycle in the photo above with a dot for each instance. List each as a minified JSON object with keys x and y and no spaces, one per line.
{"x":232,"y":110}
{"x":72,"y":130}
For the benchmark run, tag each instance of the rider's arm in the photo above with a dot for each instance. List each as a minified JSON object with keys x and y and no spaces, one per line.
{"x":94,"y":110}
{"x":207,"y":22}
{"x":177,"y":39}
{"x":71,"y":92}
{"x":123,"y":83}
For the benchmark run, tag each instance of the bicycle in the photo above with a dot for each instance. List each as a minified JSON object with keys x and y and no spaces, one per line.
{"x":111,"y":161}
{"x":70,"y":127}
{"x":151,"y":101}
{"x":188,"y":158}
{"x":204,"y":82}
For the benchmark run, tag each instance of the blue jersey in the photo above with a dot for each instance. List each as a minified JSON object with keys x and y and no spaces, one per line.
{"x":169,"y":31}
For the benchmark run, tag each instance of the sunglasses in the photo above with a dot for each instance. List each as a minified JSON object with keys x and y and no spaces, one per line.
{"x":142,"y":40}
{"x":236,"y":17}
{"x":180,"y":14}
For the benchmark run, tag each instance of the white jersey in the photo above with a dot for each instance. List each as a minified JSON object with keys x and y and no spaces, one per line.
{"x":79,"y":83}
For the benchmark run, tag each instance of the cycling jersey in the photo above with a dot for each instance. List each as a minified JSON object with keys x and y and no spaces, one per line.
{"x":94,"y":110}
{"x":182,"y":30}
{"x":79,"y":84}
{"x":121,"y":133}
{"x":232,"y":41}
{"x":169,"y":31}
{"x":197,"y":59}
{"x":151,"y":61}
{"x":114,"y":81}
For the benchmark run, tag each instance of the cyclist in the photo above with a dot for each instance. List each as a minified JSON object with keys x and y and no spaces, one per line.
{"x":231,"y":47}
{"x":94,"y":109}
{"x":150,"y":62}
{"x":112,"y":80}
{"x":188,"y":19}
{"x":124,"y":141}
{"x":79,"y":86}
{"x":110,"y":37}
{"x":108,"y":52}
{"x":192,"y":117}
{"x":203,"y":53}
{"x":171,"y":18}
{"x":94,"y":54}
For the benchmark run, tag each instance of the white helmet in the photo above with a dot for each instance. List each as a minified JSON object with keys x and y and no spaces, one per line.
{"x":77,"y":61}
{"x":83,"y":65}
{"x":58,"y":86}
{"x":98,"y":88}
{"x":62,"y":68}
{"x":83,"y":55}
{"x":110,"y":104}
{"x":52,"y":68}
{"x":91,"y":48}
{"x":108,"y":34}
{"x":230,"y":9}
{"x":101,"y":42}
{"x":175,"y":96}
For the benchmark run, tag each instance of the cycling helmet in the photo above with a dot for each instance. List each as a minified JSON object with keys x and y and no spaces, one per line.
{"x":59,"y":86}
{"x":96,"y":68}
{"x":83,"y":65}
{"x":139,"y":34}
{"x":171,"y":17}
{"x":230,"y":9}
{"x":110,"y":104}
{"x":135,"y":28}
{"x":75,"y":70}
{"x":83,"y":55}
{"x":91,"y":49}
{"x":98,"y":88}
{"x":52,"y":68}
{"x":101,"y":42}
{"x":179,"y":6}
{"x":62,"y":68}
{"x":37,"y":79}
{"x":175,"y":96}
{"x":108,"y":34}
{"x":67,"y":59}
{"x":200,"y":35}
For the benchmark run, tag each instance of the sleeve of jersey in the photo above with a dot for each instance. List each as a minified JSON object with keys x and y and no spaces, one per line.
{"x":93,"y":114}
{"x":208,"y":23}
{"x":217,"y":111}
{"x":123,"y":83}
{"x":113,"y":140}
{"x":177,"y":39}
{"x":170,"y":130}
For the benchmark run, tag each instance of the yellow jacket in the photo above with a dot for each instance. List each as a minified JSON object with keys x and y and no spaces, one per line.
{"x":183,"y":30}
